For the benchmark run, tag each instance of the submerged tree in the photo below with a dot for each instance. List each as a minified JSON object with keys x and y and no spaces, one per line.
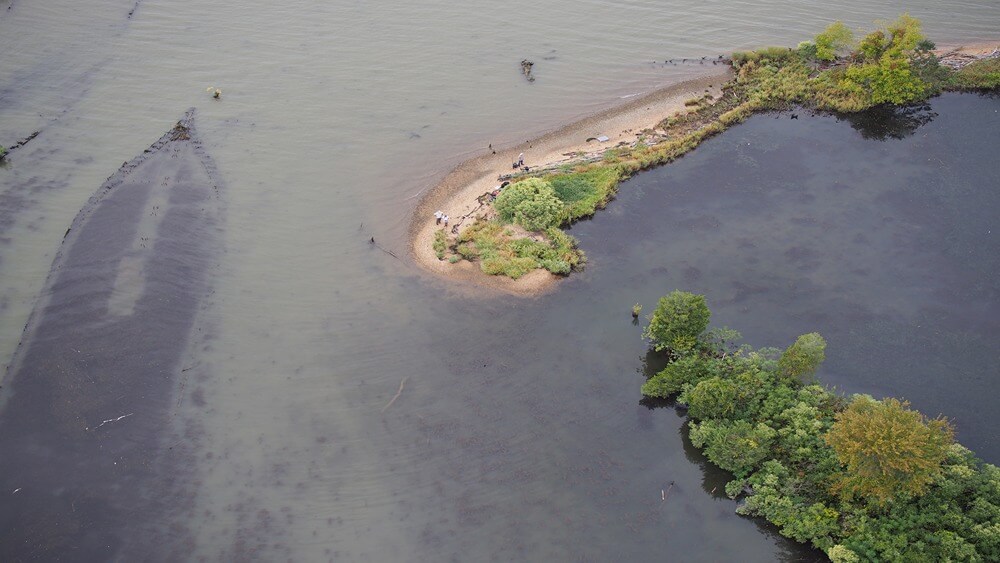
{"x":678,"y":321}
{"x":889,"y":450}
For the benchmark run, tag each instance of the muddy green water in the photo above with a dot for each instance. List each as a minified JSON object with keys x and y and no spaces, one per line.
{"x":519,"y":434}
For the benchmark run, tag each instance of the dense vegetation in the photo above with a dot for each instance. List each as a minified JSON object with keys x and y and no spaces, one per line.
{"x":860,"y":479}
{"x":525,"y":234}
{"x":893,"y":65}
{"x":501,"y":252}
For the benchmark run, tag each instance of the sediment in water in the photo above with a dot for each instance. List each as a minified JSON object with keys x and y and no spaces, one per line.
{"x":91,"y":382}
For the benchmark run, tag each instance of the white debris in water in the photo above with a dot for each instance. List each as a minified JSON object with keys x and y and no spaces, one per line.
{"x":112,"y":420}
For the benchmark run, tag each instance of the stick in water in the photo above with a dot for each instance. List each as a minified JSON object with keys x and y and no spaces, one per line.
{"x":402,"y":382}
{"x":663,"y":494}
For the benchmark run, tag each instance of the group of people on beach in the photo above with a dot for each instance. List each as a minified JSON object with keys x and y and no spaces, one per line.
{"x":439,"y":216}
{"x":519,"y":163}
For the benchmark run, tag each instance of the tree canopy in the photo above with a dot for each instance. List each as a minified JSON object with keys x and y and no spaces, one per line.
{"x":531,"y":203}
{"x":886,"y":74}
{"x":800,"y":360}
{"x":836,"y":38}
{"x":678,"y":321}
{"x":888,"y":449}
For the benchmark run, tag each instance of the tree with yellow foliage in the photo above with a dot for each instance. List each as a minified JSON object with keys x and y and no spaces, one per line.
{"x":889,"y":450}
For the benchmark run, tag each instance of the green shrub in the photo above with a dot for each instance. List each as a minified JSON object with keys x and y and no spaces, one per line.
{"x":501,"y":254}
{"x":678,"y":321}
{"x":802,"y":359}
{"x":905,"y":33}
{"x":806,"y":50}
{"x":738,"y":447}
{"x":440,"y":243}
{"x":585,"y":192}
{"x":889,"y":81}
{"x":767,"y":55}
{"x":685,"y":371}
{"x":531,"y":203}
{"x":467,"y":251}
{"x":512,"y":267}
{"x":712,"y":398}
{"x":873,"y":45}
{"x":984,"y":74}
{"x":836,"y":38}
{"x":841,"y":554}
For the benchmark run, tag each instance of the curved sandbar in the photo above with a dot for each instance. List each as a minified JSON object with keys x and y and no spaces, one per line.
{"x":456,"y":194}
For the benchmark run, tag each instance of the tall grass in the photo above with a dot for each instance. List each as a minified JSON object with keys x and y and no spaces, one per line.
{"x":585,"y":192}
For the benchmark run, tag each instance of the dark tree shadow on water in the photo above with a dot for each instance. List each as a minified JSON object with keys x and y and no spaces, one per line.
{"x":885,"y":122}
{"x":652,"y":363}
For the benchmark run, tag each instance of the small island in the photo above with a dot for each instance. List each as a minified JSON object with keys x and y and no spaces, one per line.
{"x":506,"y":213}
{"x":858,"y":478}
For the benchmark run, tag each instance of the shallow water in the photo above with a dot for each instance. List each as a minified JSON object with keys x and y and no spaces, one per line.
{"x":518,"y":433}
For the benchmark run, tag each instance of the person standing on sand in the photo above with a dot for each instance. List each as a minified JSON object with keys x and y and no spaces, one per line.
{"x":438,"y":215}
{"x":445,"y":220}
{"x":520,"y":160}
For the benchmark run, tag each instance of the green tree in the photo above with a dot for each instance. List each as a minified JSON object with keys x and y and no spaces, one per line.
{"x":873,"y":45}
{"x":888,"y":449}
{"x":531,"y":203}
{"x":889,"y":81}
{"x":671,"y":380}
{"x":841,"y":554}
{"x":887,"y":74}
{"x":801,"y":359}
{"x":738,"y":447}
{"x":678,"y":321}
{"x":712,"y":398}
{"x":837,"y":37}
{"x":905,"y":33}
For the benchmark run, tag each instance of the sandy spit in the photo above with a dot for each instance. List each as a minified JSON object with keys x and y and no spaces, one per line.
{"x":456,"y":194}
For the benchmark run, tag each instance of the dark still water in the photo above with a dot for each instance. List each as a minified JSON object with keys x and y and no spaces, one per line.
{"x":881,"y":233}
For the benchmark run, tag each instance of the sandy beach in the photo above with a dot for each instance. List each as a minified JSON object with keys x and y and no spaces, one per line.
{"x":456,"y":194}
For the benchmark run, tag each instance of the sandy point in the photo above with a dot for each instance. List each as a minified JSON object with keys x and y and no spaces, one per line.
{"x":456,"y":193}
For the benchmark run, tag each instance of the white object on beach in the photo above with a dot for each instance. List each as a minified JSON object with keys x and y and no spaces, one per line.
{"x":438,"y":214}
{"x":603,"y":138}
